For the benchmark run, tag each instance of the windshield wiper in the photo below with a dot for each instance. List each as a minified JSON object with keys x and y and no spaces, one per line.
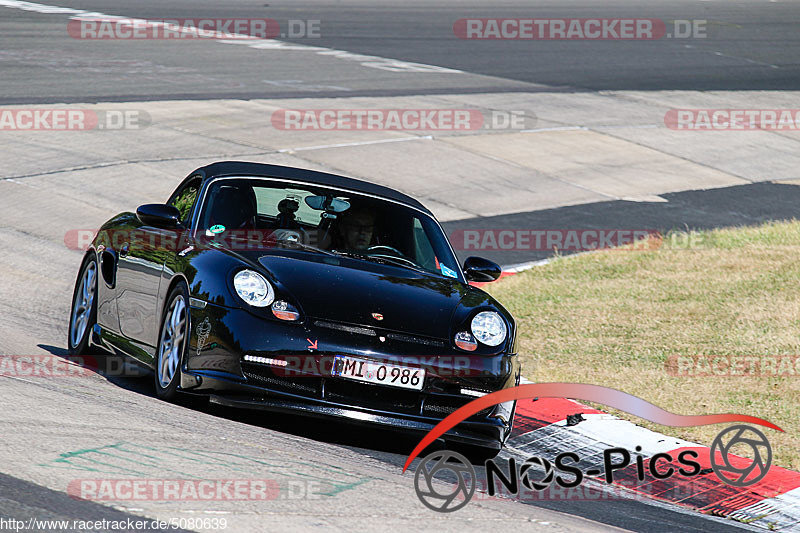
{"x":390,"y":259}
{"x":304,"y":246}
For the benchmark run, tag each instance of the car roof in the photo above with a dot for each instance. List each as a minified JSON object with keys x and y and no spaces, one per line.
{"x":245,"y":169}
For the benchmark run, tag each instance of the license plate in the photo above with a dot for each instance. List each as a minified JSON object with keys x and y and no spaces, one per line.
{"x":375,"y":372}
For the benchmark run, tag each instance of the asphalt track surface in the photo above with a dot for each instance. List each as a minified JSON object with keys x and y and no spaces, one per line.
{"x":751,"y":45}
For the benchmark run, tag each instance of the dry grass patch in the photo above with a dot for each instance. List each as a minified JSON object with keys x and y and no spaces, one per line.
{"x":614,"y":317}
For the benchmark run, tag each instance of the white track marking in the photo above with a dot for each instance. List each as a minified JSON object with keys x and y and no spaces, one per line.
{"x":556,"y":128}
{"x":781,"y":513}
{"x":382,"y":63}
{"x":596,"y":431}
{"x":361,"y":143}
{"x":591,"y":436}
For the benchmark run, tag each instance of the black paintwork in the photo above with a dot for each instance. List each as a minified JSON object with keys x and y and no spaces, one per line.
{"x":158,"y":215}
{"x":335,"y":296}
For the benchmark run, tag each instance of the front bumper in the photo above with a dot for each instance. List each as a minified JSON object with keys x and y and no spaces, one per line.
{"x":297,"y":377}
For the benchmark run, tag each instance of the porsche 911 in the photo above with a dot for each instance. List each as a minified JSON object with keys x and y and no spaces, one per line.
{"x":283,"y":289}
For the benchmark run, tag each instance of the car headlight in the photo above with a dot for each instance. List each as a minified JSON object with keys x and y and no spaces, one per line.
{"x":253,"y":288}
{"x":489,"y":328}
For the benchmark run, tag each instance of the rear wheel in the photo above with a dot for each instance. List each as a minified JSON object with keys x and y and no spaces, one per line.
{"x":83,"y":314}
{"x":172,"y":343}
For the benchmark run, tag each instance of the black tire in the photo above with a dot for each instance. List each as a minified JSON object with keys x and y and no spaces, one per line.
{"x":166,"y":382}
{"x":78,"y":341}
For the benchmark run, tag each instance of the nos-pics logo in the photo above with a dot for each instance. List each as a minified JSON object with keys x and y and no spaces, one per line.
{"x":451,"y":466}
{"x":725,"y":463}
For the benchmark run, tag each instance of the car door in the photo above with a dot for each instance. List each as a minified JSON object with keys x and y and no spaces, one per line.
{"x":139,"y":270}
{"x":142,"y":256}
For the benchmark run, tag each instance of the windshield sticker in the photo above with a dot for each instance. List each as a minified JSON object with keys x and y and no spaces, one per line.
{"x":213,"y":230}
{"x":450,"y":273}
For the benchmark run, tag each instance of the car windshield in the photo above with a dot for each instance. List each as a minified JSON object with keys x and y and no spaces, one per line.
{"x":323,"y":220}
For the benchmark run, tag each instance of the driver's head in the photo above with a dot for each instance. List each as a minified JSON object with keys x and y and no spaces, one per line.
{"x":356,"y":229}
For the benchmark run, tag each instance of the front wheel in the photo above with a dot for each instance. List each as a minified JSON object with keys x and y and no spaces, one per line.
{"x":172,"y":342}
{"x":83,"y":314}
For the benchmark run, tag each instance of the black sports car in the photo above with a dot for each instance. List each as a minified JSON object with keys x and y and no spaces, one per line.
{"x":287,"y":289}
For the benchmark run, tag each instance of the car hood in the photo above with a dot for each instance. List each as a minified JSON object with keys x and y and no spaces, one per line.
{"x":351,"y":290}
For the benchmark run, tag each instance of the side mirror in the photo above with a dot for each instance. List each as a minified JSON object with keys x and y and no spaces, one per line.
{"x":480,"y":269}
{"x":159,"y":215}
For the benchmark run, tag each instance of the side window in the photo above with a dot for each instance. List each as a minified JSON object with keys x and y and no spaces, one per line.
{"x":185,"y":199}
{"x":425,"y":256}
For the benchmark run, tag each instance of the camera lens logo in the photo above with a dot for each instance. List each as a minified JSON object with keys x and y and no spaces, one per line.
{"x":761,"y":453}
{"x":525,"y":473}
{"x":445,"y":462}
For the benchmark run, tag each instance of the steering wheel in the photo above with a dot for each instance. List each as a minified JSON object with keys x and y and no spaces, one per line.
{"x":397,"y":254}
{"x":384,"y":247}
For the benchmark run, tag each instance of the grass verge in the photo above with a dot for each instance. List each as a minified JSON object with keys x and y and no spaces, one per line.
{"x":616,"y":317}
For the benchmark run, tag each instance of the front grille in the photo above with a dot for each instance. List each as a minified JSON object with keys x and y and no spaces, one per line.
{"x":359,"y":395}
{"x":263,"y":376}
{"x":372,"y":396}
{"x":415,"y":340}
{"x":441,"y":406}
{"x":369,"y":332}
{"x":347,"y":328}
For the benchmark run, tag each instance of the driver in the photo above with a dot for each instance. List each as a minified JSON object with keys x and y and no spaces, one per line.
{"x":356,"y":229}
